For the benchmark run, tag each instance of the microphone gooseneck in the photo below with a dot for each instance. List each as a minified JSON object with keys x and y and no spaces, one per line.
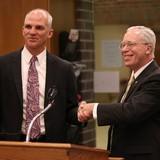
{"x":52,"y":92}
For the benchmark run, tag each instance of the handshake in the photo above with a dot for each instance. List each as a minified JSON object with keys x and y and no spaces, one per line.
{"x":85,"y":111}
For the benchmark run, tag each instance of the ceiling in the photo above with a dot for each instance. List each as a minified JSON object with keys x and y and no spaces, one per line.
{"x":132,"y":12}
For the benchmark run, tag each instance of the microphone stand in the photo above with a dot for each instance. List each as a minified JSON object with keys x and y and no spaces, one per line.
{"x":37,"y":116}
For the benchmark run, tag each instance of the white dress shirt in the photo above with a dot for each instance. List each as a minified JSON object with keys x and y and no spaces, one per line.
{"x":41,"y":68}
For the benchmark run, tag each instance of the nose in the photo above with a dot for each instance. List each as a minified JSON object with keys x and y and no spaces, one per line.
{"x":125,"y":48}
{"x":32,"y":30}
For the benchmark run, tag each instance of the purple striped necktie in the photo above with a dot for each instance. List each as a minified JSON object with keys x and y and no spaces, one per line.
{"x":32,"y":106}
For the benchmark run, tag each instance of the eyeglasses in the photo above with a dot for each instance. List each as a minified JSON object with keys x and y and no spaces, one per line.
{"x":129,"y":45}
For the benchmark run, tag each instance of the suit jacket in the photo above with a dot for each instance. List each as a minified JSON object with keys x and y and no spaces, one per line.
{"x":59,"y":73}
{"x":136,"y":122}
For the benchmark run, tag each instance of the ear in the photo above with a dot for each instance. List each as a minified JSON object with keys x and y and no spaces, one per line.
{"x":149,"y":49}
{"x":50,"y":33}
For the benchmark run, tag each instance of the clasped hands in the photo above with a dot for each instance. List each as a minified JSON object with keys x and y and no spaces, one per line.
{"x":85,"y":111}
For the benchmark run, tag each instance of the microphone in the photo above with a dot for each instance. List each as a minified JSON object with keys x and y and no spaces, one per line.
{"x":52,"y":92}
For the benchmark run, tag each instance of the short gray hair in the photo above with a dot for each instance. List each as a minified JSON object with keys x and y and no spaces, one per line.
{"x":44,"y":12}
{"x":147,"y":34}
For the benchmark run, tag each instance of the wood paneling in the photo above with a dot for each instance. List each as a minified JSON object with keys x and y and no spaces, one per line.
{"x":63,"y":12}
{"x":12,"y":13}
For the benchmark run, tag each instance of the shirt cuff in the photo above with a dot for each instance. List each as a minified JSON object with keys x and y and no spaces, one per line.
{"x":95,"y":110}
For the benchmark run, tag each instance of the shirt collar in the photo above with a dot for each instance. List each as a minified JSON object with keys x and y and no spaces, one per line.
{"x":141,"y":69}
{"x":27,"y":56}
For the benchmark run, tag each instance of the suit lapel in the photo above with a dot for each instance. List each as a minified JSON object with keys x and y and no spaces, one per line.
{"x":141,"y":78}
{"x":51,"y":72}
{"x":16,"y":69}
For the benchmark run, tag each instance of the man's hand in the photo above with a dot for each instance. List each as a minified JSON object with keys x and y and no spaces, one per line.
{"x":85,"y":111}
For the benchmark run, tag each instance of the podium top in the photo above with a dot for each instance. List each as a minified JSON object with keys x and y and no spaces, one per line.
{"x":49,"y":145}
{"x":50,"y":151}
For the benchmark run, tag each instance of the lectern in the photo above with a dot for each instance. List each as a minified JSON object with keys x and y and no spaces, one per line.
{"x":50,"y":151}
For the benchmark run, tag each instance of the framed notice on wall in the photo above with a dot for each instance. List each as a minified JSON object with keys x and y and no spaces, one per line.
{"x":111,"y":56}
{"x":106,"y":82}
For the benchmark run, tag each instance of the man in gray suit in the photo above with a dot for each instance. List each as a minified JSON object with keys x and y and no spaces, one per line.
{"x":135,"y":119}
{"x":52,"y":71}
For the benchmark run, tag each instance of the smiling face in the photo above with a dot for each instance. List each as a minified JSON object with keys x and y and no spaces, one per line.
{"x":36,"y":31}
{"x":135,"y":51}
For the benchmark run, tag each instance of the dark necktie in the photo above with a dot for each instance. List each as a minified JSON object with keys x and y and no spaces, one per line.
{"x":32,"y":106}
{"x":130,"y":82}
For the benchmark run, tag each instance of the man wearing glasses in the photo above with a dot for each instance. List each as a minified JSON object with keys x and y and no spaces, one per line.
{"x":135,"y":118}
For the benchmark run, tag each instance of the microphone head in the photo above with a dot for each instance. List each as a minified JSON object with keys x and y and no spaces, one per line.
{"x":52,"y":92}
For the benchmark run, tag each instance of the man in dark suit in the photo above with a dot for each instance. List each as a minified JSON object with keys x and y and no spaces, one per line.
{"x":52,"y":71}
{"x":135,"y":119}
